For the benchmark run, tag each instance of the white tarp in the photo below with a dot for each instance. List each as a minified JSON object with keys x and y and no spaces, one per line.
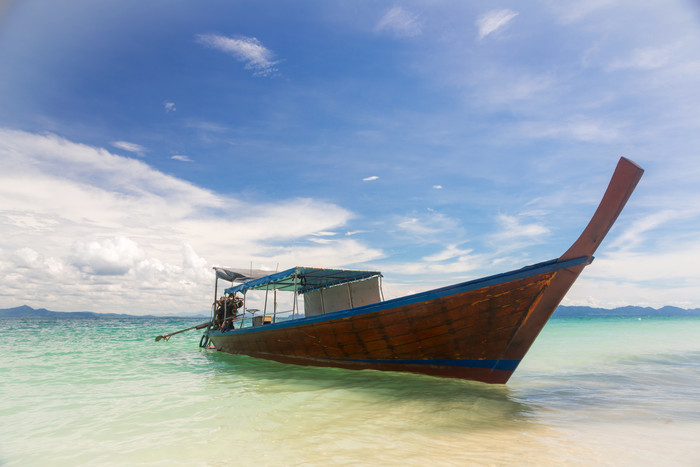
{"x":342,"y":297}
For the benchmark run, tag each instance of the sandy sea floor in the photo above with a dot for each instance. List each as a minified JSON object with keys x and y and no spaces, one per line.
{"x":600,"y":391}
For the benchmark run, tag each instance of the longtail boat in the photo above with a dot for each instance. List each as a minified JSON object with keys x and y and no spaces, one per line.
{"x":477,"y":330}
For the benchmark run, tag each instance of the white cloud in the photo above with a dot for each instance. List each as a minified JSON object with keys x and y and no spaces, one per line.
{"x":521,"y":87}
{"x":181,"y":158}
{"x":190,"y":258}
{"x":515,"y":234}
{"x":514,"y":228}
{"x":649,"y":58}
{"x":207,"y":127}
{"x":248,"y":50}
{"x":433,"y":274}
{"x":49,"y":161}
{"x":431,"y":226}
{"x":130,"y":147}
{"x":635,"y":234}
{"x":577,"y":10}
{"x":578,"y":128}
{"x":447,"y":266}
{"x":494,"y":21}
{"x":121,"y":236}
{"x":517,"y":89}
{"x":327,"y":253}
{"x":653,"y":278}
{"x":27,"y":257}
{"x":415,"y":226}
{"x":195,"y":268}
{"x":450,"y":252}
{"x":437,"y":187}
{"x":29,"y":221}
{"x":110,"y":257}
{"x":399,"y":23}
{"x":370,"y":179}
{"x":169,"y":106}
{"x":325,"y":234}
{"x":354,"y":232}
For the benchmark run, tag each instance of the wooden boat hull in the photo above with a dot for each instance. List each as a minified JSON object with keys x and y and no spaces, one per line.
{"x":461,"y":331}
{"x":478,"y":330}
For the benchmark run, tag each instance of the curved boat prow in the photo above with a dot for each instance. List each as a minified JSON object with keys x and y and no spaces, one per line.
{"x":623,"y":182}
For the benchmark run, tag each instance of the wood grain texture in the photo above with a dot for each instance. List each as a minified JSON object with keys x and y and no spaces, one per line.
{"x":474,"y":325}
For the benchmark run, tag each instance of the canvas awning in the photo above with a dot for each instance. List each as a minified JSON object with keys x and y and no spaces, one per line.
{"x":306,"y":279}
{"x":239,"y":275}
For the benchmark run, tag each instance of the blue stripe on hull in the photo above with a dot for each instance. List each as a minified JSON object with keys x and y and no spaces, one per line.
{"x":504,"y":365}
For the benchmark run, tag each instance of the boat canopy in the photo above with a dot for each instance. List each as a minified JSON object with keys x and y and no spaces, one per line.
{"x":303,"y":280}
{"x":239,"y":275}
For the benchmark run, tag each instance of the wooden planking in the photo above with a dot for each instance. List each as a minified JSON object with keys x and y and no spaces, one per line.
{"x":474,"y":324}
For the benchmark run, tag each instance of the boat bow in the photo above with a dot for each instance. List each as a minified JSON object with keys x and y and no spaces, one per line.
{"x":623,"y":182}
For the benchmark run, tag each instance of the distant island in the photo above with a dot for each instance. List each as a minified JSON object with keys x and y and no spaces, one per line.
{"x":26,"y":311}
{"x":632,"y":311}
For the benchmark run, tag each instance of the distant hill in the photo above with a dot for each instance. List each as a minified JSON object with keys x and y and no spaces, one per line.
{"x":25,"y":311}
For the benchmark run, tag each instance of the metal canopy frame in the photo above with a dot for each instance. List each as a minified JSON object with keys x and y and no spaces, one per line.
{"x":301,"y":279}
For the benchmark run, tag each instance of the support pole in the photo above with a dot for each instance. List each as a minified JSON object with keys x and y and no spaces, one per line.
{"x":295,"y":305}
{"x":274,"y":298}
{"x":244,"y":307}
{"x":216,"y":292}
{"x":225,"y":310}
{"x":267,"y":290}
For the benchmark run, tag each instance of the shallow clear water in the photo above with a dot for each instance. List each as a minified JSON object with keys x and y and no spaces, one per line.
{"x":610,"y":391}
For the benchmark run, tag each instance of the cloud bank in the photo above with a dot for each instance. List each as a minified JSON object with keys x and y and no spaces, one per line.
{"x":103,"y":232}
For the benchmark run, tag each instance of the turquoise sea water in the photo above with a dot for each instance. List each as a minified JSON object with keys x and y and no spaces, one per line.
{"x":600,"y":391}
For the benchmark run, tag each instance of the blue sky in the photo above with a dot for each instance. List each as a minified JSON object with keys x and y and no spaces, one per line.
{"x":142,"y":143}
